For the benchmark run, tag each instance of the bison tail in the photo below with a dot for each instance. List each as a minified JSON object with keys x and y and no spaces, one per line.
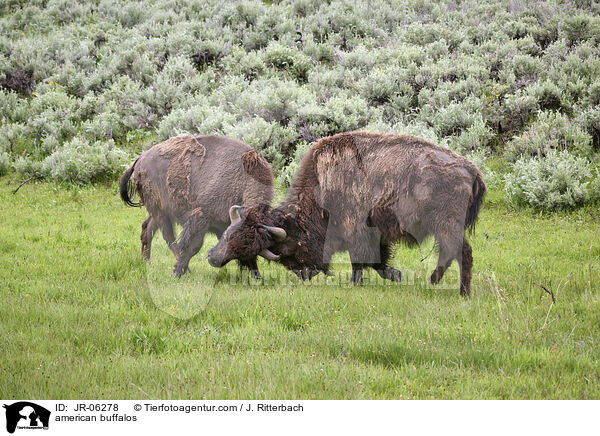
{"x":128,"y":187}
{"x":476,"y":202}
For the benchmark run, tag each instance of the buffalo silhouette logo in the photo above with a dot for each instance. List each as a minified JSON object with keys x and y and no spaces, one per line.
{"x":26,"y":415}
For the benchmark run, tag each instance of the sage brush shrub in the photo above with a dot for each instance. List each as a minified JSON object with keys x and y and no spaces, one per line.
{"x":550,"y":131}
{"x":479,"y":77}
{"x":479,"y":159}
{"x":77,"y":161}
{"x":476,"y":138}
{"x":289,"y":60}
{"x":595,"y":187}
{"x":195,"y":120}
{"x":555,"y":181}
{"x":4,"y":163}
{"x":379,"y":86}
{"x":589,"y":119}
{"x":270,"y":138}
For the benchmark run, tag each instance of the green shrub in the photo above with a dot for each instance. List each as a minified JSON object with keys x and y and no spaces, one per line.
{"x":198,"y":119}
{"x":76,"y":161}
{"x":594,"y":189}
{"x":361,"y":57}
{"x":477,"y":137}
{"x":576,"y":29}
{"x":207,"y":53}
{"x":516,"y":112}
{"x":324,"y":53}
{"x":479,"y":159}
{"x":282,"y":73}
{"x":4,"y":163}
{"x":379,"y":86}
{"x":556,"y":181}
{"x":270,"y":138}
{"x":11,"y":135}
{"x":249,"y":65}
{"x":349,"y":113}
{"x":456,"y":117}
{"x":29,"y":167}
{"x":420,"y":130}
{"x":289,"y":60}
{"x":550,"y":131}
{"x":271,"y":99}
{"x":12,"y":108}
{"x":592,"y":98}
{"x":589,"y":120}
{"x":548,"y":96}
{"x":325,"y":82}
{"x":525,"y":69}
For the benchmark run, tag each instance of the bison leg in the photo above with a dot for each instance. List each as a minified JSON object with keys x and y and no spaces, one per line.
{"x":450,"y":249}
{"x":383,"y":269}
{"x":357,"y":273}
{"x":166,"y":228}
{"x":252,"y":266}
{"x":148,"y":229}
{"x":465,"y":269}
{"x":364,"y":249}
{"x":190,"y":242}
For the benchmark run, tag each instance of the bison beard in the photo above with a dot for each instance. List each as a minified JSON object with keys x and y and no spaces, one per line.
{"x":363,"y":192}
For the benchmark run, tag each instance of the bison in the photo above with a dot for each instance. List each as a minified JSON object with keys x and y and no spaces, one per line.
{"x":193,"y":181}
{"x":363,"y":192}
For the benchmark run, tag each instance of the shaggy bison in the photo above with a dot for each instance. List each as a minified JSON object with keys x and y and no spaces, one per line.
{"x":193,"y":180}
{"x":362,"y":192}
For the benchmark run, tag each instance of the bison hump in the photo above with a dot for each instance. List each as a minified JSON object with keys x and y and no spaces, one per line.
{"x":181,"y":152}
{"x":257,"y":167}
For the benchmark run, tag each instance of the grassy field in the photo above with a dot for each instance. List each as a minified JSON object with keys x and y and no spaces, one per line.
{"x":83,"y":316}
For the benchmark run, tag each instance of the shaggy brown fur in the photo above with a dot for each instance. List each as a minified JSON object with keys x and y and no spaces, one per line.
{"x":180,"y":152}
{"x":194,"y":180}
{"x":362,"y":192}
{"x":258,"y":167}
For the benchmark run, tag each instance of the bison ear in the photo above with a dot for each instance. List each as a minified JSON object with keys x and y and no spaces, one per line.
{"x":278,"y":233}
{"x":235,"y":214}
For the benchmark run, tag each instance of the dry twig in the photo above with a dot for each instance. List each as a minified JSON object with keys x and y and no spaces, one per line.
{"x":22,"y":183}
{"x":549,"y":291}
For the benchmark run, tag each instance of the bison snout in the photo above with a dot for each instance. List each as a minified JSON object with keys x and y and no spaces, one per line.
{"x":215,"y":260}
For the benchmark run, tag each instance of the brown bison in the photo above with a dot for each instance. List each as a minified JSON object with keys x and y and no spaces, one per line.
{"x":362,"y":192}
{"x":193,"y":181}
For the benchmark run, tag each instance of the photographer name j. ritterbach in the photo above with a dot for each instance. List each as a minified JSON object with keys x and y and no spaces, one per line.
{"x":260,"y":407}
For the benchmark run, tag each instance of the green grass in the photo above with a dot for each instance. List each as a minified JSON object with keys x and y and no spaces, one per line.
{"x":83,"y":316}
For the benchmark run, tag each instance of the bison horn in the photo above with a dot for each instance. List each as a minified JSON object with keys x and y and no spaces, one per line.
{"x":234,"y":214}
{"x":268,"y":254}
{"x":277,"y":232}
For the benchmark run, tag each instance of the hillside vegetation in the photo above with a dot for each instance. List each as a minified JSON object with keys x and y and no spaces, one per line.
{"x":86,"y":85}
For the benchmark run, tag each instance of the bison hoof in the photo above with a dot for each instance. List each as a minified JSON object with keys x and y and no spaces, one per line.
{"x":306,"y":273}
{"x":180,"y":270}
{"x":357,"y":277}
{"x":465,"y":291}
{"x":437,"y":275}
{"x":255,"y":274}
{"x":390,"y":273}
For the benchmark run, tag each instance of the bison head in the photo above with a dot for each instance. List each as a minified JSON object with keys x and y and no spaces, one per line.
{"x":246,"y":237}
{"x":272,"y":234}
